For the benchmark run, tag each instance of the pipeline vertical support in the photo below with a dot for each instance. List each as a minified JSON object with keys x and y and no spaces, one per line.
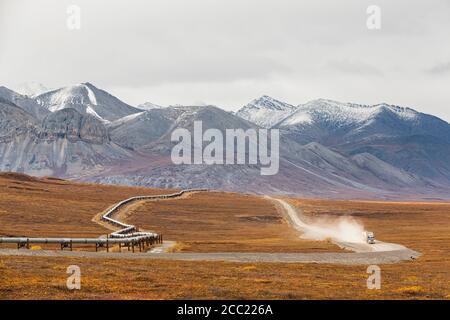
{"x":107,"y":243}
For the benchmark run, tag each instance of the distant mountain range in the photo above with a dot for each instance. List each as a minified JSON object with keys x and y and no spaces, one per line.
{"x":327,"y":148}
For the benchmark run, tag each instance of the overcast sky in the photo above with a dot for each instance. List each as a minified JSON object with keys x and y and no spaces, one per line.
{"x":228,"y":52}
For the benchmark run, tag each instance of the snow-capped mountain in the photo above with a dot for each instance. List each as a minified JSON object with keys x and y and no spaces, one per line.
{"x":86,"y":99}
{"x":337,"y":113}
{"x":31,"y":89}
{"x":402,"y":137}
{"x":149,"y":106}
{"x":265,"y":111}
{"x":322,"y":119}
{"x":334,"y":116}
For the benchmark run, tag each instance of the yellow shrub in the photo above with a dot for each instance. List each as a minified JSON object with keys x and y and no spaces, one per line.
{"x":410,"y":290}
{"x":248,"y":268}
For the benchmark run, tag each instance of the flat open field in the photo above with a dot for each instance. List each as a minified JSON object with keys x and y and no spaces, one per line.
{"x":207,"y":222}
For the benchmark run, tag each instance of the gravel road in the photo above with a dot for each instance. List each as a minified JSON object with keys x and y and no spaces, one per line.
{"x":386,"y":257}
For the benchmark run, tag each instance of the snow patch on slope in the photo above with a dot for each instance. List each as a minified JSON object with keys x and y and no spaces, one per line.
{"x":298,"y":118}
{"x":127,"y":118}
{"x":91,"y":95}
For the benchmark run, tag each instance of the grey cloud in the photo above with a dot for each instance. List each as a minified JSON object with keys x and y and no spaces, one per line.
{"x":354,"y":67}
{"x":440,"y":69}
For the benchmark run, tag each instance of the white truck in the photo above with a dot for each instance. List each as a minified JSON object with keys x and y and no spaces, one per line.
{"x":369,"y":237}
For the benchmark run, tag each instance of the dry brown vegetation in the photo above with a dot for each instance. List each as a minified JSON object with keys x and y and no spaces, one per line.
{"x":421,"y":226}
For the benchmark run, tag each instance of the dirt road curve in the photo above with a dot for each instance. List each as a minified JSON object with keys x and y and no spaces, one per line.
{"x":381,"y":253}
{"x":298,"y":221}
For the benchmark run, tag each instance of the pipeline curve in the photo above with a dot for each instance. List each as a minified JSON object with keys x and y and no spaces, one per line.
{"x":126,"y":235}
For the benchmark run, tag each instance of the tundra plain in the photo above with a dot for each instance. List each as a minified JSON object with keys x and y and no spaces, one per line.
{"x":214,"y":222}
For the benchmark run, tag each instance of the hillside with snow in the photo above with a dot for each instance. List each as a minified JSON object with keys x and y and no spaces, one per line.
{"x":86,"y":99}
{"x":265,"y":111}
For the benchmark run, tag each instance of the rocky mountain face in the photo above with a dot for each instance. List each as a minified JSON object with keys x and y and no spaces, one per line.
{"x":65,"y":143}
{"x":73,"y":126}
{"x":14,"y":120}
{"x":327,"y":149}
{"x":27,"y":104}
